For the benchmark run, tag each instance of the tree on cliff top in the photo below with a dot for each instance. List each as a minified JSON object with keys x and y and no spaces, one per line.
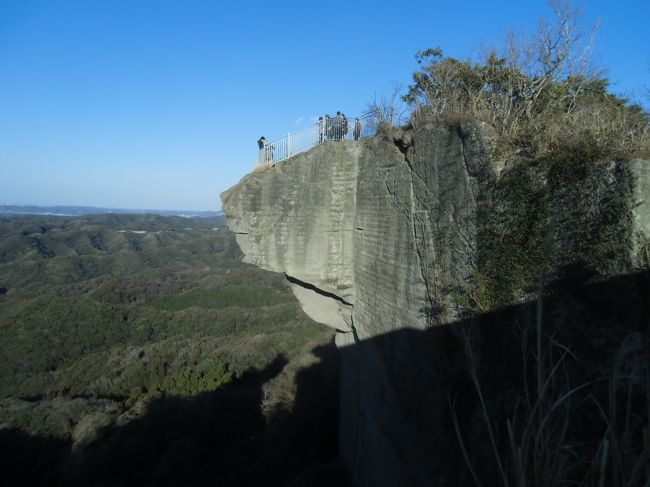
{"x":541,"y":94}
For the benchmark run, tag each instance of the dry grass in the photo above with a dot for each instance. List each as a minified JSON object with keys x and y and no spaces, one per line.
{"x":539,"y":94}
{"x":592,"y":433}
{"x":262,"y":167}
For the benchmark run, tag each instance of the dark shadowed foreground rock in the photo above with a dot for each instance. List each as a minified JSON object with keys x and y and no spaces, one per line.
{"x":435,"y":264}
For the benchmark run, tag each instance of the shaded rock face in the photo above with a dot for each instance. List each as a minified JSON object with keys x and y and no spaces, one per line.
{"x":641,"y":210}
{"x":415,"y":224}
{"x":384,"y":239}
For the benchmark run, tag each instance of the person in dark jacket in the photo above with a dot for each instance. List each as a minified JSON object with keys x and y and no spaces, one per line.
{"x":261,"y":142}
{"x":337,"y":127}
{"x":357,"y":129}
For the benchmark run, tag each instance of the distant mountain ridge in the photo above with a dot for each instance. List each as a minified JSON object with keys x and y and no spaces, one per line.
{"x":62,"y":210}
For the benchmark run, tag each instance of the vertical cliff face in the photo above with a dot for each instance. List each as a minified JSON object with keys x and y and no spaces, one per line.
{"x":384,"y":224}
{"x":374,"y":237}
{"x":298,"y":218}
{"x":416,"y":227}
{"x":384,"y":239}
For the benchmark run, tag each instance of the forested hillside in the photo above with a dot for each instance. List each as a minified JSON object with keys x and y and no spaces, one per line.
{"x":102,"y":316}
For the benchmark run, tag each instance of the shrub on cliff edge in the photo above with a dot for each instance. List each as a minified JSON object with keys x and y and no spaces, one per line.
{"x":541,"y":95}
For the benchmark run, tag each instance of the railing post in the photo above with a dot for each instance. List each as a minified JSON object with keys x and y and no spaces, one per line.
{"x":288,"y":145}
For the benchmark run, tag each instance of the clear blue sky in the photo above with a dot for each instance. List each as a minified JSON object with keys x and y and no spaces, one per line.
{"x":158,"y":104}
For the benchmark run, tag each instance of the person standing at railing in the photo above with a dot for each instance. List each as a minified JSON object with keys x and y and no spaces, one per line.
{"x":337,"y":126}
{"x":327,"y":127}
{"x":357,"y":129}
{"x":261,"y":142}
{"x":321,"y":130}
{"x":344,"y":126}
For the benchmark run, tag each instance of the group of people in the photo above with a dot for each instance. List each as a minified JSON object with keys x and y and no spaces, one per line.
{"x":329,"y":128}
{"x":336,"y":128}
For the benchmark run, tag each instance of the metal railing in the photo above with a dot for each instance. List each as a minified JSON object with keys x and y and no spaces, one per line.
{"x":326,"y":129}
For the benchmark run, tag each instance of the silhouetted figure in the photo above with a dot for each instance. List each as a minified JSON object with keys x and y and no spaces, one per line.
{"x":357,"y":129}
{"x":261,"y":142}
{"x":337,"y":127}
{"x":344,"y":126}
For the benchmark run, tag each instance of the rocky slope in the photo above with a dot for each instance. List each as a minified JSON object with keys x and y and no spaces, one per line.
{"x":425,"y":255}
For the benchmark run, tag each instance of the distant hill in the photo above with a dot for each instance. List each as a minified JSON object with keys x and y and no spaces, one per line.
{"x":10,"y":210}
{"x":144,"y":341}
{"x":78,"y":288}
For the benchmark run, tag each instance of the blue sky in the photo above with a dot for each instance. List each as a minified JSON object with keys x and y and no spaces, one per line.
{"x":158,"y":104}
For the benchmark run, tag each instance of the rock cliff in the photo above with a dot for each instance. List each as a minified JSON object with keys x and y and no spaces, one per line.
{"x":415,"y":245}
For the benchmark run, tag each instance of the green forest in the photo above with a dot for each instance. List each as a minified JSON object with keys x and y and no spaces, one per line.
{"x":103,"y":315}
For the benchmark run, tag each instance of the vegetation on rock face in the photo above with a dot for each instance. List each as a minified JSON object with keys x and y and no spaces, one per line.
{"x":562,"y":385}
{"x":550,"y":219}
{"x":540,"y":96}
{"x":555,"y":255}
{"x":562,"y":200}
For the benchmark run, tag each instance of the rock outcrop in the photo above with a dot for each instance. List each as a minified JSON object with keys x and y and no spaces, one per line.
{"x":403,"y":243}
{"x":298,"y":218}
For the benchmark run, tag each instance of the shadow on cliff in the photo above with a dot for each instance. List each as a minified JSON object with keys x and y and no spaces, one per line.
{"x":421,"y":407}
{"x":216,"y":438}
{"x":461,"y":404}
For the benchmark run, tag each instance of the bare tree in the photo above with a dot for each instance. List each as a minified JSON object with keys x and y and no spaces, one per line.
{"x":388,"y":110}
{"x":555,"y":53}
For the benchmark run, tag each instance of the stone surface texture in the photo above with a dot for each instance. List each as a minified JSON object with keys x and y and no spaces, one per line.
{"x":641,"y":205}
{"x":298,"y":218}
{"x":378,"y":236}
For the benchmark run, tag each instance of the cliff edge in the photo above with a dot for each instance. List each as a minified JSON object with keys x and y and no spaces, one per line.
{"x":433,"y":262}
